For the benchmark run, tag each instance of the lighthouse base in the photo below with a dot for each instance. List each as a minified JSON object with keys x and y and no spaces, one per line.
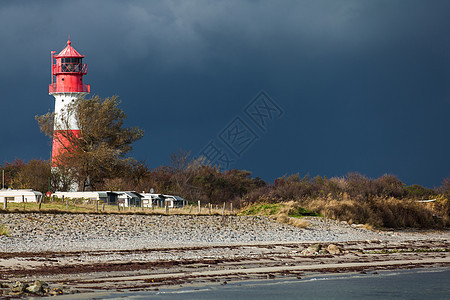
{"x":62,"y":181}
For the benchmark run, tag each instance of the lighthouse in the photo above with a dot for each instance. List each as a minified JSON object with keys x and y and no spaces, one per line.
{"x":67,"y":71}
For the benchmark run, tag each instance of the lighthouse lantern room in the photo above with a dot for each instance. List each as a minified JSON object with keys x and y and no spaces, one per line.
{"x":66,"y":86}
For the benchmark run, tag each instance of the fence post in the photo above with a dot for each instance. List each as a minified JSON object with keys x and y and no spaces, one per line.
{"x":231,"y":207}
{"x":67,"y":202}
{"x":167,"y":209}
{"x":103,"y":207}
{"x":96,"y":205}
{"x":199,"y":207}
{"x":223,"y":211}
{"x":23,"y":201}
{"x":40,"y":201}
{"x":5,"y":203}
{"x":118,"y":205}
{"x":210,"y":208}
{"x":190,"y":209}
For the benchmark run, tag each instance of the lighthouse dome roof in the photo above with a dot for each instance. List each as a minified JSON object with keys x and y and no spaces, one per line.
{"x":69,"y":51}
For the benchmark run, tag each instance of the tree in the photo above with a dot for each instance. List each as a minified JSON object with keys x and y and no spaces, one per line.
{"x":99,"y":150}
{"x":445,"y":189}
{"x":390,"y":186}
{"x":33,"y":175}
{"x":183,"y":169}
{"x":219,"y":187}
{"x":10,"y":172}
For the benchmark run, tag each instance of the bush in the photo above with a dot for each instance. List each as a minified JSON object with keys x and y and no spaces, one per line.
{"x":385,"y":212}
{"x":416,"y":191}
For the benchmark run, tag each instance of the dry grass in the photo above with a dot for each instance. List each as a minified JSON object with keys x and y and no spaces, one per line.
{"x":77,"y":207}
{"x":283,"y":218}
{"x":385,"y":212}
{"x":287,"y":213}
{"x":300,"y":223}
{"x":376,"y":212}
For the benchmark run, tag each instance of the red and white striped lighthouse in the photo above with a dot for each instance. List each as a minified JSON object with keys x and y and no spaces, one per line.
{"x":67,"y":85}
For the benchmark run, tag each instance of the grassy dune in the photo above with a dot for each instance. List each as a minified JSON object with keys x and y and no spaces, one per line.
{"x":375,"y":213}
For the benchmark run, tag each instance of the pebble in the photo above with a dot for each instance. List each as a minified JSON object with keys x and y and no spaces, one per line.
{"x":34,"y":232}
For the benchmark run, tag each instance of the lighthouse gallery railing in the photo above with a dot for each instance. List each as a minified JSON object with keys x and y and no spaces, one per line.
{"x":55,"y":88}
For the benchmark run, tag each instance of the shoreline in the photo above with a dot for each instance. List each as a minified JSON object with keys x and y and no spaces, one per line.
{"x":186,"y":263}
{"x":292,"y":287}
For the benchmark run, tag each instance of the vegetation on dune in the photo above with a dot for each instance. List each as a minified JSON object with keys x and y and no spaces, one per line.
{"x":262,"y":209}
{"x":289,"y":213}
{"x":291,"y":209}
{"x":381,"y":202}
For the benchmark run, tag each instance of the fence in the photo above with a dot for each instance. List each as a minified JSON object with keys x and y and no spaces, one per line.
{"x":81,"y":205}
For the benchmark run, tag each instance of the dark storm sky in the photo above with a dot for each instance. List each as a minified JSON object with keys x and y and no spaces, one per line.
{"x":363,"y":85}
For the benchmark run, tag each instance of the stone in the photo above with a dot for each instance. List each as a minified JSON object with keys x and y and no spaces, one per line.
{"x":55,"y":292}
{"x":19,"y":287}
{"x":333,"y":249}
{"x":314,"y":248}
{"x":4,"y":285}
{"x":37,"y":287}
{"x":34,"y":289}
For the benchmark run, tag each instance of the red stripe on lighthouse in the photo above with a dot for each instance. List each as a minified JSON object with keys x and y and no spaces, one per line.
{"x":63,"y":142}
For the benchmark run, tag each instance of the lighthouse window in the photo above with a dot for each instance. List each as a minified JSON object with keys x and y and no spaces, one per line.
{"x":71,"y":64}
{"x":71,"y":60}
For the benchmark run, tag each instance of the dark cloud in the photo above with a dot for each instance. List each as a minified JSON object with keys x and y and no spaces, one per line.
{"x":365,"y":85}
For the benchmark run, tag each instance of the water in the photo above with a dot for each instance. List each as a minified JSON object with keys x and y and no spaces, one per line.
{"x":398,"y":284}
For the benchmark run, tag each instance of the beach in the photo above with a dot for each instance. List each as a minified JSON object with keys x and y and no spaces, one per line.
{"x":81,"y":253}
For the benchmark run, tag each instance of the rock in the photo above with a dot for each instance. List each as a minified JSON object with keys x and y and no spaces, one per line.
{"x":34,"y":289}
{"x":55,"y":292}
{"x":333,"y":249}
{"x":19,"y":287}
{"x":315,"y":247}
{"x":15,"y":294}
{"x":312,"y":250}
{"x":38,"y":287}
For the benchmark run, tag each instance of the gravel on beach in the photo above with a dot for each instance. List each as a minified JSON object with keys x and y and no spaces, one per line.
{"x":35,"y":232}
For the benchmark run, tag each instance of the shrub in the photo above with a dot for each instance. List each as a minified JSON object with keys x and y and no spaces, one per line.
{"x":416,"y":191}
{"x":385,"y":212}
{"x":344,"y":210}
{"x":389,"y":186}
